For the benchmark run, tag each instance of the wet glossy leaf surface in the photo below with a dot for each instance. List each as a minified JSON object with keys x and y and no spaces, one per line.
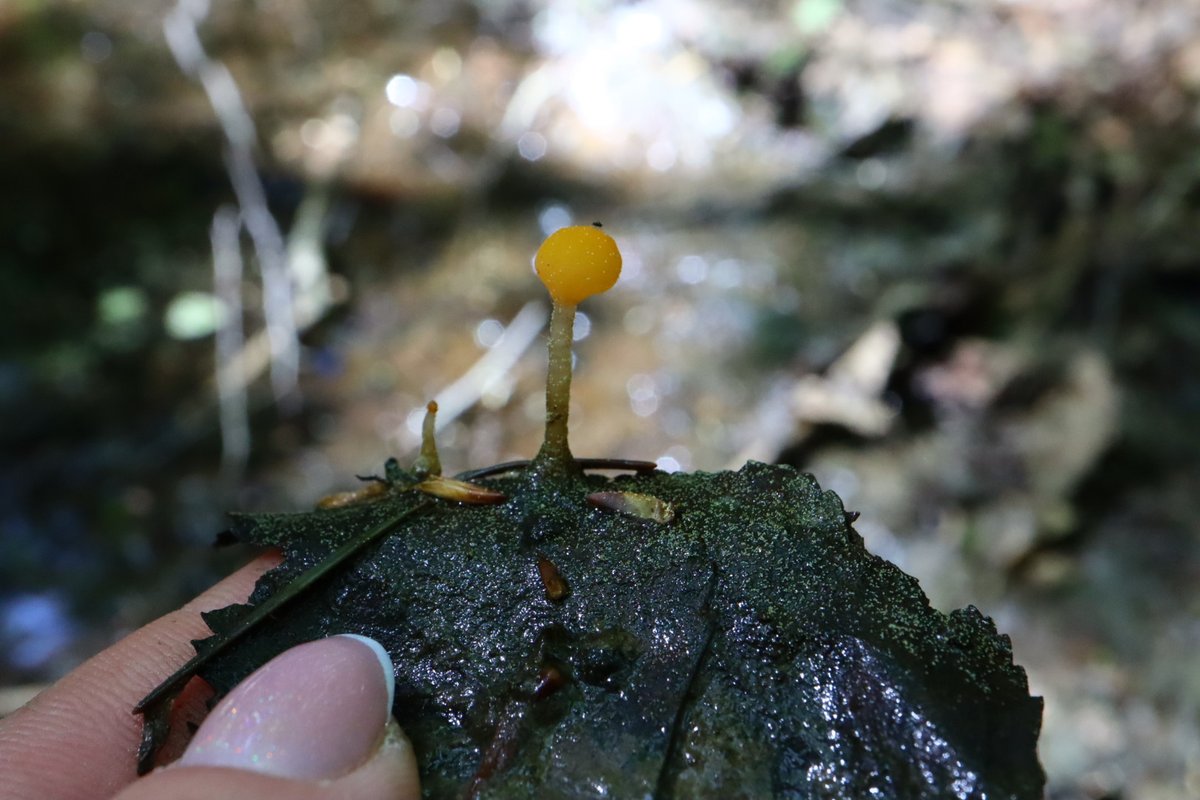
{"x":751,"y":648}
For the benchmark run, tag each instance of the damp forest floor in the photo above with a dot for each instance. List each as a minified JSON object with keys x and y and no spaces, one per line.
{"x":974,"y":313}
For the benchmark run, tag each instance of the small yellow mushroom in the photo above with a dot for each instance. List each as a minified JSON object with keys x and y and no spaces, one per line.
{"x":574,"y":263}
{"x":577,"y":262}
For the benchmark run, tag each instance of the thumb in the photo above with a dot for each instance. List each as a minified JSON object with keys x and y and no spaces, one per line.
{"x":313,"y":723}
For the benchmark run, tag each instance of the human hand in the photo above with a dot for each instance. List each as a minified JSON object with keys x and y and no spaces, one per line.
{"x":313,"y":723}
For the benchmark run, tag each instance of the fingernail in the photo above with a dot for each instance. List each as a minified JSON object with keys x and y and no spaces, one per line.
{"x":315,"y":711}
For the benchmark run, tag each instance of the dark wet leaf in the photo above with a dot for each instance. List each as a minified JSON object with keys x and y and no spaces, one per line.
{"x":751,"y":648}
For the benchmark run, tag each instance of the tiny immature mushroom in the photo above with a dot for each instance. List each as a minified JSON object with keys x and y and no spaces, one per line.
{"x":428,"y":462}
{"x":428,"y":467}
{"x":552,"y":580}
{"x":574,"y":263}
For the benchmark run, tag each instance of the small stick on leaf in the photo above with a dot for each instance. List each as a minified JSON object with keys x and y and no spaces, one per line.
{"x":574,"y":263}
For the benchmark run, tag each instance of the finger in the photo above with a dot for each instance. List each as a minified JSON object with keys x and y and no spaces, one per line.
{"x":314,"y":722}
{"x":79,"y":738}
{"x":391,"y":773}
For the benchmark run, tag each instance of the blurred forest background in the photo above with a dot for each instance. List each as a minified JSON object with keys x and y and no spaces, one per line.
{"x":944,"y":255}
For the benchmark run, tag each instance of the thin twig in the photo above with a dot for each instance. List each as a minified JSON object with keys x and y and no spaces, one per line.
{"x":230,"y":339}
{"x":180,"y":28}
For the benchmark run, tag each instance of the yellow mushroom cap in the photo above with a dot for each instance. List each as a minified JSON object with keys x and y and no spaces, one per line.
{"x":577,"y":262}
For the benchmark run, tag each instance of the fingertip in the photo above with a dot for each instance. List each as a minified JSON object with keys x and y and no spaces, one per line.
{"x":385,"y":663}
{"x":391,"y":772}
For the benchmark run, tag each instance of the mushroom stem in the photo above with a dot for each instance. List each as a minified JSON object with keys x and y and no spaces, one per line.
{"x":555,"y":448}
{"x":428,"y":462}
